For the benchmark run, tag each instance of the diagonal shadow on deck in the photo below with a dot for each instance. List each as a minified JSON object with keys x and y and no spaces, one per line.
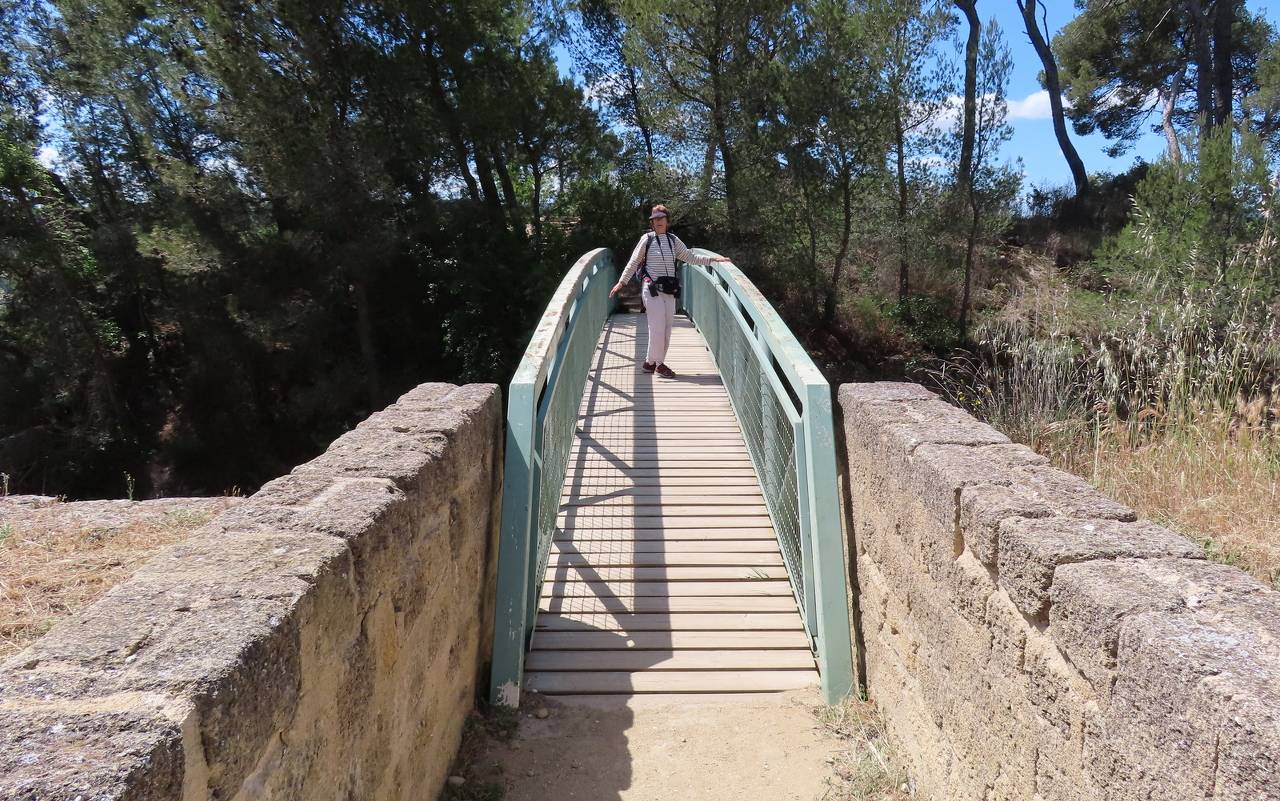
{"x":665,"y":575}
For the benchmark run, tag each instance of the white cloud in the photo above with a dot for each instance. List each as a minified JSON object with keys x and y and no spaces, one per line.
{"x":1034,"y":106}
{"x":48,"y":156}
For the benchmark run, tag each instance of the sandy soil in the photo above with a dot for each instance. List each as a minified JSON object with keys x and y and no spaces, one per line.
{"x":711,"y":749}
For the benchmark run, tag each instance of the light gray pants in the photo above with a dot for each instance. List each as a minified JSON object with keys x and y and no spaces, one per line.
{"x":661,"y":313}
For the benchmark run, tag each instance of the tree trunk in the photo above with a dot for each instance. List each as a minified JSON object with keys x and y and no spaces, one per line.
{"x":1203,"y":55}
{"x":488,"y":188}
{"x":1170,"y":101}
{"x":708,"y":169}
{"x":720,"y":135}
{"x":970,"y":245}
{"x":846,"y":196}
{"x":900,"y":157}
{"x":504,"y":178}
{"x":1224,"y":17}
{"x":633,"y":87}
{"x":445,"y":108}
{"x":536,"y":204}
{"x":1054,"y":87}
{"x":964,"y":171}
{"x":364,"y":333}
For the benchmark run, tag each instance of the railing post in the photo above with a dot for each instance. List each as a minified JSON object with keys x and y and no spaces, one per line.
{"x":803,"y":481}
{"x":513,"y":549}
{"x":831,"y":606}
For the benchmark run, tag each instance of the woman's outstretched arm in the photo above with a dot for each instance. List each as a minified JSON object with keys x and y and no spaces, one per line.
{"x":684,"y":254}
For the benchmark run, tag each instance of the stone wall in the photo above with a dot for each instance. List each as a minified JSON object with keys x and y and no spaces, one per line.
{"x":322,"y":640}
{"x":1028,"y":638}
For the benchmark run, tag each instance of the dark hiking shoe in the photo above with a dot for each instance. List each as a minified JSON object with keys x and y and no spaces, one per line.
{"x":665,"y":371}
{"x":647,"y":367}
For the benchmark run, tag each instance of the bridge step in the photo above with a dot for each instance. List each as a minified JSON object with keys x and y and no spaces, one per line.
{"x":587,"y":573}
{"x":663,"y":589}
{"x":560,"y":604}
{"x":666,"y":640}
{"x":609,"y":546}
{"x":665,"y":574}
{"x":631,"y":661}
{"x":644,"y":681}
{"x":671,"y":534}
{"x":618,"y":558}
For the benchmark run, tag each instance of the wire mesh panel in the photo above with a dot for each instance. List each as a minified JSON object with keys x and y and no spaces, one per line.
{"x":768,"y":419}
{"x":542,"y":404}
{"x":558,"y":413}
{"x":783,"y":405}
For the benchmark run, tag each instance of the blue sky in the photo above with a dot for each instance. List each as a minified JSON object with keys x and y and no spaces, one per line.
{"x":1033,"y":139}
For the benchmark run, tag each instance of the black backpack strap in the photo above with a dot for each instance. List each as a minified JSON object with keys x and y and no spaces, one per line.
{"x":644,"y":260}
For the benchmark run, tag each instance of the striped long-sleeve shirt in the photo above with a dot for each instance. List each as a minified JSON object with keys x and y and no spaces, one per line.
{"x":661,"y":257}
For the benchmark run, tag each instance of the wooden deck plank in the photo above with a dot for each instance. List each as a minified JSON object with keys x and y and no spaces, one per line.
{"x":656,"y":500}
{"x":753,"y":573}
{"x":628,"y":558}
{"x":589,"y":547}
{"x":683,"y":621}
{"x":665,"y":574}
{"x":667,"y":640}
{"x":633,"y":661}
{"x":719,"y":681}
{"x":559,"y":605}
{"x":664,"y":589}
{"x":672,"y":534}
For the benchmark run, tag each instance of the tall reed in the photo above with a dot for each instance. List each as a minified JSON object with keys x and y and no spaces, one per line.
{"x":1174,"y":409}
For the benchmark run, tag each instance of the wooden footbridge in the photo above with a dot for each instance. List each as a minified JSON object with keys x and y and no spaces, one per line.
{"x":665,"y":536}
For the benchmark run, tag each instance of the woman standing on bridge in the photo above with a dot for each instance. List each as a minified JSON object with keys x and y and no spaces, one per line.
{"x":655,"y":256}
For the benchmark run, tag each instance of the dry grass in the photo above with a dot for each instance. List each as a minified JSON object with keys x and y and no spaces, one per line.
{"x":55,"y":559}
{"x":1212,"y":481}
{"x":1168,"y":401}
{"x":868,"y":769}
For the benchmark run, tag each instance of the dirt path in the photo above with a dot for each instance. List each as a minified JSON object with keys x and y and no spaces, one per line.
{"x":726,"y":749}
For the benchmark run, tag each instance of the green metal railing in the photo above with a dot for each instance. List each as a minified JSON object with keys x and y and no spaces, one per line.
{"x":542,"y":409}
{"x":783,"y":405}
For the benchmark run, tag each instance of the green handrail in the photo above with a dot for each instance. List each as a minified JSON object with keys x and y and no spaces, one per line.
{"x":542,"y":410}
{"x":783,"y":404}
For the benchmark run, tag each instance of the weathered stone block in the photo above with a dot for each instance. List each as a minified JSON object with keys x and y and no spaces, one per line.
{"x":51,"y":753}
{"x":983,"y":507}
{"x":292,"y":648}
{"x":1089,"y":601}
{"x":1008,"y":636}
{"x":1031,"y":550}
{"x":1184,"y":687}
{"x":1029,"y":640}
{"x":1068,"y":495}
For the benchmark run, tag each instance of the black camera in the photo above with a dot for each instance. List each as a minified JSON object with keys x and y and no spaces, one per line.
{"x":667,"y":285}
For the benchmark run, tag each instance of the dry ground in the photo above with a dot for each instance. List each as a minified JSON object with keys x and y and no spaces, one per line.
{"x":56,"y":558}
{"x":784,"y":747}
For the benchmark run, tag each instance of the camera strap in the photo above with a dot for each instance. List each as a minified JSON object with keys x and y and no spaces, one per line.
{"x":644,"y":262}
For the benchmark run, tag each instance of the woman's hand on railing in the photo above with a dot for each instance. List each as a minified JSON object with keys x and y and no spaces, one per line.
{"x":721,"y":258}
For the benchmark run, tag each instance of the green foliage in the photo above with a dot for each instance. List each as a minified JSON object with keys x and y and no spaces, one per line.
{"x":928,"y":321}
{"x":1190,"y":221}
{"x":264,"y":224}
{"x":228,"y":234}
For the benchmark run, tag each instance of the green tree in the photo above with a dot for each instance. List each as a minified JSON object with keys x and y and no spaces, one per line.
{"x":1190,"y":60}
